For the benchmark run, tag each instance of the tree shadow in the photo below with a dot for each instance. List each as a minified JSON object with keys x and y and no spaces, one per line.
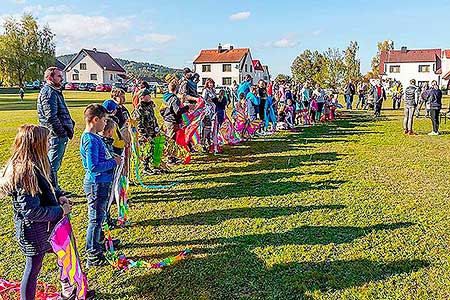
{"x":215,"y":217}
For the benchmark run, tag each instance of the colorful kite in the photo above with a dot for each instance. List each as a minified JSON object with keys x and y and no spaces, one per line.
{"x":11,"y":290}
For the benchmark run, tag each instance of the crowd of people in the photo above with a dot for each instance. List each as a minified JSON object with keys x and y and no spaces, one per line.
{"x":192,"y":121}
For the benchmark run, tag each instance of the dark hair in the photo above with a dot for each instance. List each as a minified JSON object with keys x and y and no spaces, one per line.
{"x":241,"y":96}
{"x":144,"y":84}
{"x":94,"y":110}
{"x":186,"y":71}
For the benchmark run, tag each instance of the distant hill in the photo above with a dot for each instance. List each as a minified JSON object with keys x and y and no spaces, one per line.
{"x":135,"y":69}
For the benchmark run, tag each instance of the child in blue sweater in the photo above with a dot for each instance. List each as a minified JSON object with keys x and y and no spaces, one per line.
{"x":99,"y":167}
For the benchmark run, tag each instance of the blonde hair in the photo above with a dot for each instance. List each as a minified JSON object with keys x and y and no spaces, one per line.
{"x":116,"y":92}
{"x":29,"y":152}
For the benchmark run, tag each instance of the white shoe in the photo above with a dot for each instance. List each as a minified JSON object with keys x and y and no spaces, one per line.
{"x":433,"y":133}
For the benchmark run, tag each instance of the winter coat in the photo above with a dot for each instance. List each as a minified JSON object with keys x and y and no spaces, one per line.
{"x":53,"y":112}
{"x":35,"y":217}
{"x":411,"y":96}
{"x":174,"y":109}
{"x":435,"y":98}
{"x":147,"y":125}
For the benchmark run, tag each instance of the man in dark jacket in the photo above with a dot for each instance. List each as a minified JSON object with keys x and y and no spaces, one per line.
{"x":379,"y":95}
{"x":349,"y":92}
{"x":54,"y":114}
{"x":434,"y":99}
{"x":411,"y":100}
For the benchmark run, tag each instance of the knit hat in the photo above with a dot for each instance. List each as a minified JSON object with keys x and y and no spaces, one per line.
{"x":110,"y":105}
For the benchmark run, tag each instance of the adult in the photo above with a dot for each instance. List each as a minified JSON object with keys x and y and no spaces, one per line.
{"x":305,"y":95}
{"x":135,"y":97}
{"x":349,"y":92}
{"x":209,"y":122}
{"x":262,"y":93}
{"x":379,"y":95}
{"x":434,"y":100}
{"x":122,"y":115}
{"x":411,"y":100}
{"x":319,"y":95}
{"x":244,"y":86}
{"x":54,"y":114}
{"x":187,"y":91}
{"x":362,"y":91}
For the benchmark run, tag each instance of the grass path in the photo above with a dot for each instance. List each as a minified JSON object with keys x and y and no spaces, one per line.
{"x":348,"y":210}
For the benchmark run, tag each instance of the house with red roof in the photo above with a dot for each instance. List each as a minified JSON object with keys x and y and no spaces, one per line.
{"x":93,"y":66}
{"x":225,"y":65}
{"x":422,"y":65}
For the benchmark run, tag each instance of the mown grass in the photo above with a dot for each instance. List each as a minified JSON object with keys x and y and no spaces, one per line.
{"x":348,"y":210}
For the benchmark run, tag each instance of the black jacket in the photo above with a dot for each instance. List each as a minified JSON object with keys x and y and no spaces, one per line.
{"x":434,"y":98}
{"x":53,"y":112}
{"x":35,"y":217}
{"x":174,"y":110}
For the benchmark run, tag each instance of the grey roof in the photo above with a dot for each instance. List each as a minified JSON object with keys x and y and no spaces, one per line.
{"x":103,"y":59}
{"x":59,"y":64}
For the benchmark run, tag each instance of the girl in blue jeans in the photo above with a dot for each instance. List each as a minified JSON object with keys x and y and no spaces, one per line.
{"x":37,"y":208}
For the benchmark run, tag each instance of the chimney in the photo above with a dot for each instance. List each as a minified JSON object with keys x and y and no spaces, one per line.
{"x":404,"y":49}
{"x":95,"y":49}
{"x":219,"y":48}
{"x":231,"y":47}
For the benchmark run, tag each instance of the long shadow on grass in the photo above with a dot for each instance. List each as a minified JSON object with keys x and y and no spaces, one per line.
{"x":218,"y":216}
{"x":228,"y":268}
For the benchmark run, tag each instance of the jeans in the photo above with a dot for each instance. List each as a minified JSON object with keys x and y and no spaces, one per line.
{"x":377,"y":107}
{"x":97,"y":196}
{"x":55,"y":155}
{"x":409,"y":116}
{"x":362,"y":100}
{"x":434,"y":115}
{"x":419,"y":106}
{"x":349,"y":101}
{"x":33,"y":266}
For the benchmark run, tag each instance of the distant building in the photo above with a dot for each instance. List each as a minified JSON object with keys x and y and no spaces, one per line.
{"x":422,"y":65}
{"x":92,"y":66}
{"x":225,"y":65}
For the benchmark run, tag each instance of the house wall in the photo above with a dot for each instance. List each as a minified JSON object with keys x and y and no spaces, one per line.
{"x":84,"y":75}
{"x":445,"y":69}
{"x":217,"y":73}
{"x":115,"y":77}
{"x":410,"y":71}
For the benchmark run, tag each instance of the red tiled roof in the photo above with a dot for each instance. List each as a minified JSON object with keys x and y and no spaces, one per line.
{"x":446,"y":76}
{"x":257,"y":65}
{"x":447,"y":53}
{"x":410,"y":56}
{"x":214,"y":56}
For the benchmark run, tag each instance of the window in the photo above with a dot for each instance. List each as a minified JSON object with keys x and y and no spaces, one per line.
{"x":204,"y":81}
{"x":226,"y":67}
{"x":93,"y":76}
{"x":245,"y":67}
{"x":206,"y":68}
{"x":83,"y":66}
{"x":75,"y":76}
{"x":226,"y":81}
{"x":424,"y":68}
{"x":251,"y":68}
{"x":111,"y":77}
{"x":394,"y":69}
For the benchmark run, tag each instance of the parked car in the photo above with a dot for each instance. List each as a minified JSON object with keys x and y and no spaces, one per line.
{"x":72,"y":86}
{"x":87,"y":87}
{"x":120,"y":85}
{"x":103,"y":87}
{"x":35,"y":85}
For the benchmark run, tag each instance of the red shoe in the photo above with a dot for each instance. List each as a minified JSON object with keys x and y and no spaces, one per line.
{"x":412,"y":132}
{"x":405,"y":131}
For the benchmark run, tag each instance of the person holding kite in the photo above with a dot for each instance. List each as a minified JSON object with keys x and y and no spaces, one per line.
{"x":37,"y":205}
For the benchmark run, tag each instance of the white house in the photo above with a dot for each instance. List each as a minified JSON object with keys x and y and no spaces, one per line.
{"x":225,"y":65}
{"x":92,"y":66}
{"x":422,"y":65}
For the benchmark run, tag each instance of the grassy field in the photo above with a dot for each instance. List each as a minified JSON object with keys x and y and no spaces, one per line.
{"x":348,"y":210}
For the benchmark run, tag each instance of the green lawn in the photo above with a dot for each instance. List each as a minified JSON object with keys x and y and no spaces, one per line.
{"x":348,"y":210}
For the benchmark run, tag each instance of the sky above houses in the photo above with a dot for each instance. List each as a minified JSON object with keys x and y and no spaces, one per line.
{"x":173,"y":32}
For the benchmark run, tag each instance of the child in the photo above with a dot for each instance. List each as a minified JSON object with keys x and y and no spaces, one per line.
{"x":22,"y":94}
{"x":252,"y":103}
{"x":289,"y":111}
{"x":122,"y":115}
{"x":99,"y":167}
{"x":37,"y":207}
{"x":147,"y":126}
{"x":107,"y":135}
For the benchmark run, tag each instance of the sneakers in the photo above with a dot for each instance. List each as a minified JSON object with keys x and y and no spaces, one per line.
{"x":73,"y":296}
{"x":411,"y":132}
{"x":405,"y":131}
{"x":98,"y":260}
{"x":434,"y":133}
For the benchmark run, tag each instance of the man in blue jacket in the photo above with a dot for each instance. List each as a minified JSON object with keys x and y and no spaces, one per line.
{"x":54,"y":114}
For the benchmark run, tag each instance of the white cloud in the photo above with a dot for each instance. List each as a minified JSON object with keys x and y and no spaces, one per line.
{"x":317,"y":32}
{"x":156,"y":37}
{"x":286,"y":42}
{"x":33,"y":9}
{"x":19,"y":1}
{"x":243,"y":15}
{"x":61,"y":8}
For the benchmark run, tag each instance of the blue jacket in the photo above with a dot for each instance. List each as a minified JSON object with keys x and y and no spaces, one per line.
{"x":53,"y":112}
{"x":434,"y":98}
{"x":35,"y":217}
{"x":98,"y":165}
{"x":252,"y":104}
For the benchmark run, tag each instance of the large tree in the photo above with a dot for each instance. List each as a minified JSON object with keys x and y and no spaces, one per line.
{"x":308,"y":66}
{"x":382,"y":46}
{"x":334,"y":72}
{"x":25,"y":50}
{"x":352,"y":62}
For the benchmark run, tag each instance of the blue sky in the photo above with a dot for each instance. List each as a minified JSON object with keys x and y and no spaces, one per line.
{"x":173,"y":32}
